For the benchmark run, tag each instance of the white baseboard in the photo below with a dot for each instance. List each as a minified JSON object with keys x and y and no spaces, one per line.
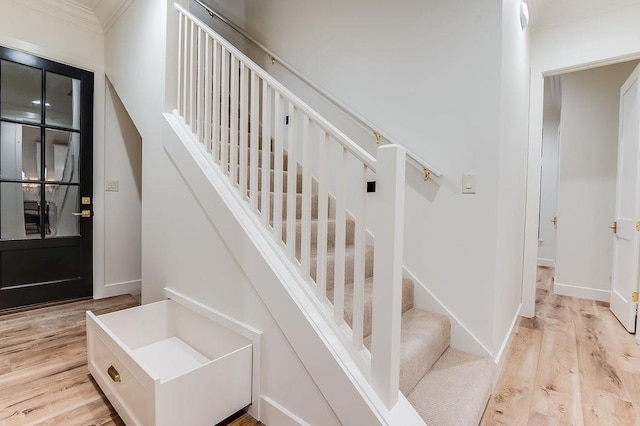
{"x":116,"y":289}
{"x":461,"y":337}
{"x":500,"y":356}
{"x":549,"y":263}
{"x":275,"y":414}
{"x":582,"y":292}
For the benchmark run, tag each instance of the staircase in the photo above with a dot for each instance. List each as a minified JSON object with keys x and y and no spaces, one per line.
{"x":265,"y":148}
{"x":446,"y":386}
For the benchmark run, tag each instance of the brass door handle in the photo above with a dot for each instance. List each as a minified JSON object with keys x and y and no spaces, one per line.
{"x":614,"y":227}
{"x":113,"y":373}
{"x":83,"y":213}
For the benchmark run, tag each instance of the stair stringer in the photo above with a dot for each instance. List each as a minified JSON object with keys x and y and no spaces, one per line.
{"x":461,"y":337}
{"x":317,"y":344}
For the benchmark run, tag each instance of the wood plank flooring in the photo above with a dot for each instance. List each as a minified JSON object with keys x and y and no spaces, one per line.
{"x":44,"y":379}
{"x":574,"y":364}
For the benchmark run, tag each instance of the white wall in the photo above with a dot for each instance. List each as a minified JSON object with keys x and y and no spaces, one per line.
{"x":433,"y":76}
{"x":602,"y":39}
{"x":512,"y":162}
{"x":549,"y":188}
{"x":123,"y":163}
{"x":586,"y":188}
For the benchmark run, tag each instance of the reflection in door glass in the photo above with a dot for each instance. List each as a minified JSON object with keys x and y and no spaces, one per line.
{"x":62,"y":153}
{"x":20,"y":212}
{"x":21,"y":96}
{"x":63,"y":97}
{"x":19,"y":151}
{"x":62,"y":202}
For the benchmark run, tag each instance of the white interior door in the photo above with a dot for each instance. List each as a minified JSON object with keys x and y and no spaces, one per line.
{"x":626,"y":240}
{"x":549,"y":193}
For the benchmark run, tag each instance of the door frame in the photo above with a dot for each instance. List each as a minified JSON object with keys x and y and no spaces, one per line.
{"x":532,"y":207}
{"x":67,"y":55}
{"x":86,"y":286}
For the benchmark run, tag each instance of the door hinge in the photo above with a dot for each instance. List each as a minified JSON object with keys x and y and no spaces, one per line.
{"x":634,"y":297}
{"x":638,"y":226}
{"x":614,"y":227}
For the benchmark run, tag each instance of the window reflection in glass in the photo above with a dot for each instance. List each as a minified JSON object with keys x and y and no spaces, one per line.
{"x":62,"y":153}
{"x":63,"y":97}
{"x":62,"y":202}
{"x":20,"y":211}
{"x":21,"y":97}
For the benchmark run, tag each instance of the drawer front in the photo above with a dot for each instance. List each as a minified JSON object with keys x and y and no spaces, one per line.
{"x":127,"y":394}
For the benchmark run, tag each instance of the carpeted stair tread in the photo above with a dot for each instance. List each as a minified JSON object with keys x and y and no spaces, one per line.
{"x":455,"y":391}
{"x":348,"y":264}
{"x":285,"y":180}
{"x":424,"y":337}
{"x":314,"y":205}
{"x":407,"y":302}
{"x":331,"y":230}
{"x":272,"y":158}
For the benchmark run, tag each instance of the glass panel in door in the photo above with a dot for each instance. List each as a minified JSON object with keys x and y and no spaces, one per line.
{"x":21,"y":94}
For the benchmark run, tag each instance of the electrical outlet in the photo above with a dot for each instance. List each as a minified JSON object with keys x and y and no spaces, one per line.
{"x":112,"y":186}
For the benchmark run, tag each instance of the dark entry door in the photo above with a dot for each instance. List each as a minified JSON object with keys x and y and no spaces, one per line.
{"x":46,"y":138}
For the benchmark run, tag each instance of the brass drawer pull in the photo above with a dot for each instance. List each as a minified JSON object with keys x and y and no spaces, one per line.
{"x":113,"y":373}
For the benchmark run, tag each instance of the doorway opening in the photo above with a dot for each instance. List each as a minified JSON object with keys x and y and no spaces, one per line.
{"x":579,"y":170}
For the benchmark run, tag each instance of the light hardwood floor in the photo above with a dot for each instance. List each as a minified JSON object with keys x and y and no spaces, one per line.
{"x":44,"y":379}
{"x":574,"y":364}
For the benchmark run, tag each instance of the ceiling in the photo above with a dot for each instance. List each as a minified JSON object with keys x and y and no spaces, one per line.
{"x":95,"y":15}
{"x":543,"y":13}
{"x":551,"y":13}
{"x":89,"y":4}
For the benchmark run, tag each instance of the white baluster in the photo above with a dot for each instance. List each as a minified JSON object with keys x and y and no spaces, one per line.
{"x":224,"y":113}
{"x":307,"y":171}
{"x":181,"y":23}
{"x":387,"y":285}
{"x":266,"y":151}
{"x":185,"y":70}
{"x":244,"y":130}
{"x":215,"y":133}
{"x":193,"y":76}
{"x":277,"y":167}
{"x":292,"y":178}
{"x":208,"y":76}
{"x":200,"y":82}
{"x":359,"y":213}
{"x":233,"y":142}
{"x":341,"y":217}
{"x":323,"y":215}
{"x":255,"y":128}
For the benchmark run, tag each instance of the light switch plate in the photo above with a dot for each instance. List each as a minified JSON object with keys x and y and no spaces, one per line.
{"x":469,"y":183}
{"x":112,"y":186}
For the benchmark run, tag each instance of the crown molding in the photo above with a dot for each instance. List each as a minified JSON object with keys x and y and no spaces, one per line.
{"x":66,"y":10}
{"x":108,"y":11}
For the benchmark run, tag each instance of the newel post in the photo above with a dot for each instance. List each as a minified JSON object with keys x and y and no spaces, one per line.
{"x":387,"y":286}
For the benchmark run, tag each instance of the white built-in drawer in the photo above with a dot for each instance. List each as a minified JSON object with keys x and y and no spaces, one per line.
{"x":163,"y":364}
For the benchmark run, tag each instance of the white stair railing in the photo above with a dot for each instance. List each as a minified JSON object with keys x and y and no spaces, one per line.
{"x":307,"y":182}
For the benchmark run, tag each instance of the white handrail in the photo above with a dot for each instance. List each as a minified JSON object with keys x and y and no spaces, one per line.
{"x":350,"y":145}
{"x":412,"y":158}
